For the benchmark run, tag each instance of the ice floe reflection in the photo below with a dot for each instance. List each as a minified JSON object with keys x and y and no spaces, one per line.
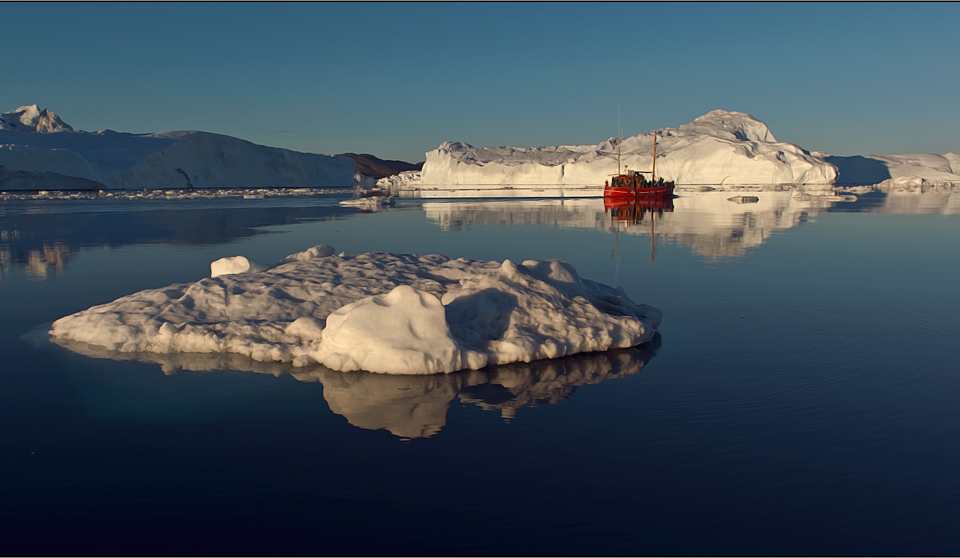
{"x":40,"y":237}
{"x":417,"y":406}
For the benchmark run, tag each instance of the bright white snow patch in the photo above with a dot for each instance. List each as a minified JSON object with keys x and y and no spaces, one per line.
{"x":236,"y":264}
{"x":388,"y":313}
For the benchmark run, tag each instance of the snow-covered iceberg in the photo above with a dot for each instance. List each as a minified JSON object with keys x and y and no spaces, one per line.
{"x":380,"y":312}
{"x":38,"y":151}
{"x":720,"y":147}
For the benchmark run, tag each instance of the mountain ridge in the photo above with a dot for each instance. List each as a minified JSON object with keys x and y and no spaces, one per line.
{"x":39,"y":151}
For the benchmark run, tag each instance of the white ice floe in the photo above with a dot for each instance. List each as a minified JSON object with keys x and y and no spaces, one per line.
{"x":381,"y":312}
{"x":369,"y":203}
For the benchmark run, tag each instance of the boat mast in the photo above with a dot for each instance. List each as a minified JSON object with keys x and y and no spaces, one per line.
{"x":653,"y":170}
{"x":620,"y":133}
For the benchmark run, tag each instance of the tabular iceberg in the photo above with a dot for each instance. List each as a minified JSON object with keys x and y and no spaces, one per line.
{"x":380,"y":312}
{"x":38,"y":151}
{"x":720,"y":147}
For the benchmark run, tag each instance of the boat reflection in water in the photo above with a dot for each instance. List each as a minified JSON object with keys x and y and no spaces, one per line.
{"x":406,"y":406}
{"x":633,"y":211}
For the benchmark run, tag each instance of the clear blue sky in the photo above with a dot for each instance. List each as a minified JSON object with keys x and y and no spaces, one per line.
{"x":397,"y":79}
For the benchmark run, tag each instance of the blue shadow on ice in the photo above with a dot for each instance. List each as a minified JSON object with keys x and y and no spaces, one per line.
{"x":858,"y":170}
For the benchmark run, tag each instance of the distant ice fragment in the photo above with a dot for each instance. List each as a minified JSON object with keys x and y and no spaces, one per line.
{"x":318,"y":251}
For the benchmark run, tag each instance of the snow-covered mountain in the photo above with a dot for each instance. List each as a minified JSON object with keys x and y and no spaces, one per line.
{"x":32,"y":119}
{"x":719,"y":148}
{"x":38,"y":151}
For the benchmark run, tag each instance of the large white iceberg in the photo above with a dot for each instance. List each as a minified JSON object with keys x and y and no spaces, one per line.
{"x":720,"y":147}
{"x":38,"y":151}
{"x":380,"y":312}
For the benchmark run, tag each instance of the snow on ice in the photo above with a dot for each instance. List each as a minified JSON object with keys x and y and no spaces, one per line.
{"x":380,"y":312}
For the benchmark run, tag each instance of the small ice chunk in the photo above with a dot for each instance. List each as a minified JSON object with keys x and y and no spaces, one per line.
{"x":318,"y":251}
{"x":236,"y":264}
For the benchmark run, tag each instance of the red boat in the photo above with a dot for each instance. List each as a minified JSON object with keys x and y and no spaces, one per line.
{"x":634,"y":185}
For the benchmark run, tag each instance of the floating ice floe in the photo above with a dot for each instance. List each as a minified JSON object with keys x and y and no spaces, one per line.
{"x":380,"y":312}
{"x":369,"y":203}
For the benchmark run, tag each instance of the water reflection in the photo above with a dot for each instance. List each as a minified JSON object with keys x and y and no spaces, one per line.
{"x":38,"y":262}
{"x":40,"y":237}
{"x":715,"y":224}
{"x":910,"y":199}
{"x":412,"y":406}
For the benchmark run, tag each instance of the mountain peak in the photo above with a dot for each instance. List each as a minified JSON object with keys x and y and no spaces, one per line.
{"x":29,"y":118}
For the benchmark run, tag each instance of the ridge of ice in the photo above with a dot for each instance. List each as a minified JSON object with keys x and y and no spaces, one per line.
{"x":382,"y":312}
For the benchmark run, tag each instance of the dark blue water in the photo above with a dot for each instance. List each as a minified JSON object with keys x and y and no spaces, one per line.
{"x":801,"y":398}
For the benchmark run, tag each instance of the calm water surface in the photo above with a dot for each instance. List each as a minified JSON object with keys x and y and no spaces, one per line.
{"x":801,"y":397}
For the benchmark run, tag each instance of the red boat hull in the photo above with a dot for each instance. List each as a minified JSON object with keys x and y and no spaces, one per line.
{"x":621,"y":202}
{"x":649,"y":192}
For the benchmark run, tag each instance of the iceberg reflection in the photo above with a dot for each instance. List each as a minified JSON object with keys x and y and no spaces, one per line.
{"x":716,"y":224}
{"x":41,"y":237}
{"x":416,"y":406}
